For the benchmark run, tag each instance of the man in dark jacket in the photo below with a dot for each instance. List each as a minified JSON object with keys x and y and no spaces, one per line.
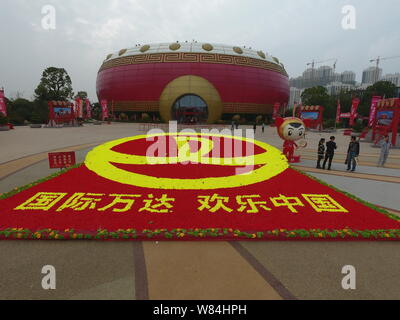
{"x":330,"y":152}
{"x":352,"y":153}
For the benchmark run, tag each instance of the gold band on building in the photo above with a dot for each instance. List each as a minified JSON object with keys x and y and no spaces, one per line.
{"x":185,"y":57}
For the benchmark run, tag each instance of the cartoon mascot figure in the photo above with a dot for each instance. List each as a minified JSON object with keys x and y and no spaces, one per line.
{"x":291,"y":130}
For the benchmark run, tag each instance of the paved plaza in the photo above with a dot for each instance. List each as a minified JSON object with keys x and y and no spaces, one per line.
{"x":197,"y":270}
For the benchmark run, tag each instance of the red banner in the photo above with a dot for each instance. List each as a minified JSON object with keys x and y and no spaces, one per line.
{"x":374,"y":106}
{"x":299,"y":111}
{"x":60,"y":160}
{"x":79,"y":108}
{"x":338,"y":112}
{"x":353,"y":112}
{"x":88,"y":110}
{"x":104,"y":109}
{"x":3,"y":107}
{"x":276,"y":111}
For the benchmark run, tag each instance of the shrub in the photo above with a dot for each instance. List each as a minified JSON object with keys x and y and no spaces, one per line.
{"x":3,"y":119}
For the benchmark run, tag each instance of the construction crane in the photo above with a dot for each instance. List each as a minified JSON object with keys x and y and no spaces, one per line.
{"x":313,"y":63}
{"x":378,"y":60}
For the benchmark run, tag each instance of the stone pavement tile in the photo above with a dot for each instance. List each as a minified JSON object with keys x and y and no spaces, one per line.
{"x":84,"y":269}
{"x":383,"y":194}
{"x":360,"y":169}
{"x":312,"y":270}
{"x":33,"y":173}
{"x":202,"y":270}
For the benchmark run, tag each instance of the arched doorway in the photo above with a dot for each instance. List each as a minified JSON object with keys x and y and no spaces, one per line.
{"x":190,"y":109}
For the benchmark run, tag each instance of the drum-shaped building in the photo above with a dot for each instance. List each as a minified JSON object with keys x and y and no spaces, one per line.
{"x":192,"y":81}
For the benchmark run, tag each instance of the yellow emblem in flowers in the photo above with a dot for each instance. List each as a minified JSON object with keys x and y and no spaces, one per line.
{"x":263,"y":166}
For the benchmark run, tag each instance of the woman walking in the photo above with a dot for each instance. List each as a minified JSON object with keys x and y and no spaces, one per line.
{"x":321,"y":152}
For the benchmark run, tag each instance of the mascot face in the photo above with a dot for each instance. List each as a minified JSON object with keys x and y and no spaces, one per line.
{"x":291,"y":129}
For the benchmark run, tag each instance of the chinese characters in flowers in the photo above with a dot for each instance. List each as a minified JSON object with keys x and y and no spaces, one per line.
{"x":188,"y":186}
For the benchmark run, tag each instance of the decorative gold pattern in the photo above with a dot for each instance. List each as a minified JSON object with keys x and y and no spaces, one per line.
{"x":121,"y":52}
{"x":193,"y":57}
{"x":191,"y":85}
{"x":207,"y":47}
{"x":175,"y":46}
{"x":261,"y":54}
{"x":238,"y":50}
{"x":144,"y":48}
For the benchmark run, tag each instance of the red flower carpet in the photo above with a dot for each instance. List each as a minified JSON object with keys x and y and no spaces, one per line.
{"x":121,"y":193}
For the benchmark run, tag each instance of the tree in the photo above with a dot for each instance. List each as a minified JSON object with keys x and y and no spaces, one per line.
{"x":382,"y":88}
{"x":55,"y":84}
{"x":20,"y":110}
{"x":81,"y":94}
{"x":96,"y":111}
{"x":385,"y":89}
{"x":316,"y":96}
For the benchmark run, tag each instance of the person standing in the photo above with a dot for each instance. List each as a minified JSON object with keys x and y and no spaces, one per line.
{"x":321,"y":152}
{"x":330,"y":152}
{"x":385,"y":148}
{"x":233,"y":125}
{"x":263,"y":127}
{"x":352,"y":153}
{"x":255,"y":127}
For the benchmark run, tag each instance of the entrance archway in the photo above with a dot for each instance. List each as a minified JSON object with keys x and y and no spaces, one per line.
{"x":191,"y":86}
{"x":190,"y":109}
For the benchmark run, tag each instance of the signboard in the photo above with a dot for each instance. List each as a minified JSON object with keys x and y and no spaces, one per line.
{"x":60,"y":112}
{"x":310,"y":115}
{"x":59,"y":160}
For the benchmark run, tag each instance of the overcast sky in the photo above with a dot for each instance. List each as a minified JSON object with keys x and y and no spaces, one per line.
{"x":296,"y":31}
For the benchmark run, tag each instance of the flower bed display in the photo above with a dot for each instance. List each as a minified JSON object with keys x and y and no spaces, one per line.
{"x":119,"y":193}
